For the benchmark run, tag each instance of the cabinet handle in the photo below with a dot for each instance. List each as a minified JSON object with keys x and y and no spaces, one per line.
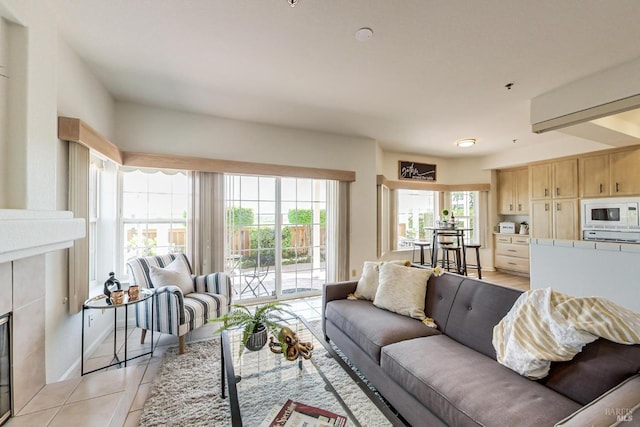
{"x":512,"y":263}
{"x":617,"y":187}
{"x":601,"y":188}
{"x":510,"y":206}
{"x":519,"y":206}
{"x":557,"y":191}
{"x":511,"y":250}
{"x":546,"y":192}
{"x":557,"y":206}
{"x":546,"y":207}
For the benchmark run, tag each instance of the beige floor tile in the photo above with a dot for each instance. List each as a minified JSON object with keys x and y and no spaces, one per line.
{"x":96,"y":412}
{"x":36,"y":419}
{"x":103,"y":383}
{"x":97,"y":363}
{"x":51,"y":396}
{"x":141,"y":397}
{"x":151,"y":373}
{"x":133,"y":418}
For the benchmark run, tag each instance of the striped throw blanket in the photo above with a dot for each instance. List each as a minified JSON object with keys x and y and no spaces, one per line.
{"x":545,"y":326}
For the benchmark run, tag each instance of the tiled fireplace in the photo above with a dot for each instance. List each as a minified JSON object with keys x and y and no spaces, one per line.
{"x":26,"y":238}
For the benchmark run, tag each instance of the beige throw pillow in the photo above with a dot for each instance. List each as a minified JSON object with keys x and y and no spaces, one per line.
{"x":174,"y":274}
{"x":368,"y":283}
{"x":402,"y":290}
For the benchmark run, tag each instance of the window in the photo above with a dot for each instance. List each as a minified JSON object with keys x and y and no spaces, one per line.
{"x":416,"y":209}
{"x":95,"y":171}
{"x":464,"y":206}
{"x":276,"y":237}
{"x":153,"y":214}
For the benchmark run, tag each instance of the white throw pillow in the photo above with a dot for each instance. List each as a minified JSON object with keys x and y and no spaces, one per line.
{"x":402,"y":290}
{"x":368,"y":283}
{"x":175,"y":274}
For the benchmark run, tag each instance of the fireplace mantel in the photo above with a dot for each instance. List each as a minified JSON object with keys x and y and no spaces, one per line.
{"x":27,"y":233}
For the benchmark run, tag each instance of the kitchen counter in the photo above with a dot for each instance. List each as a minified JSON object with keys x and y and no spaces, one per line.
{"x":587,"y":268}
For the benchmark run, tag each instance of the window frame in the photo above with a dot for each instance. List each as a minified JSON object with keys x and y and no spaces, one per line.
{"x":124,"y":222}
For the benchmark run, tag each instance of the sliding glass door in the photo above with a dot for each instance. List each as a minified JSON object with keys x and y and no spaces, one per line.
{"x":276,"y":237}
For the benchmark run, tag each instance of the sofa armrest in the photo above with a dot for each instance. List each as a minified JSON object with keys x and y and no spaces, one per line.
{"x":215,"y":283}
{"x":338,"y":290}
{"x":621,"y":403}
{"x":168,"y":307}
{"x":335,"y":291}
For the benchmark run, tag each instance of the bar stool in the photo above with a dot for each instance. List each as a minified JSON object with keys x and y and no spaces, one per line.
{"x":477,"y":264}
{"x":454,"y":262}
{"x":422,"y":245}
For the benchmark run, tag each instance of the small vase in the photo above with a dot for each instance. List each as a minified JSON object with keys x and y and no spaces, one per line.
{"x":257,"y":340}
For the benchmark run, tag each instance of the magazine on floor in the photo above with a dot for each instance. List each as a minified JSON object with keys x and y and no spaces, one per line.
{"x":296,"y":414}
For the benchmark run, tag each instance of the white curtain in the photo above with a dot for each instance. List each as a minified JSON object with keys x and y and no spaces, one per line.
{"x":206,"y":222}
{"x":343,"y":230}
{"x":79,"y":161}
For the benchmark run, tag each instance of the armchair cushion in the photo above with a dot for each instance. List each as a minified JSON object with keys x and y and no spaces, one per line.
{"x":176,"y":273}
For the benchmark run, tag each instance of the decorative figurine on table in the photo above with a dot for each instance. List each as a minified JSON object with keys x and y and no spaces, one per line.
{"x":290,"y":346}
{"x":112,"y":284}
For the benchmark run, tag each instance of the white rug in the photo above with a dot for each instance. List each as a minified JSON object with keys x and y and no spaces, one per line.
{"x":187,"y":391}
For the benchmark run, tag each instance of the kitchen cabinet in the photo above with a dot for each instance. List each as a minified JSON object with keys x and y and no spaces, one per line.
{"x":594,"y":176}
{"x":512,"y":252}
{"x":555,"y":219}
{"x":611,"y":174}
{"x":554,"y":180}
{"x":624,"y":168}
{"x":513,"y":191}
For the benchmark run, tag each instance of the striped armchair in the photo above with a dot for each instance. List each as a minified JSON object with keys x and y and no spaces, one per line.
{"x":177,"y":313}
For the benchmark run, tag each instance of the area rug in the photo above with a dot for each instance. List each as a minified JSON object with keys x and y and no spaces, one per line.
{"x":187,"y":390}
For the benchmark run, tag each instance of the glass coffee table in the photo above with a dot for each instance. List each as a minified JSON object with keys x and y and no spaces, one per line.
{"x":261,"y":381}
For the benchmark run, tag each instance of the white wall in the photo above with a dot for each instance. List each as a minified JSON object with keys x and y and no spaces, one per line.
{"x":4,"y":94}
{"x":582,"y":268}
{"x":448,"y":171}
{"x":157,"y":130}
{"x":600,"y":88}
{"x":47,"y":77}
{"x":81,"y":95}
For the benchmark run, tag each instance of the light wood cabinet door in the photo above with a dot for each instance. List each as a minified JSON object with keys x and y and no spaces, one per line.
{"x":541,"y":219}
{"x":565,"y":219}
{"x":522,"y":191}
{"x":565,"y":179}
{"x":540,"y":184}
{"x":625,"y":173}
{"x":594,"y":176}
{"x":506,"y":185}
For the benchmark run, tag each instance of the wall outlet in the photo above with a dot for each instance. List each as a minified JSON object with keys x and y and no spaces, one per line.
{"x":90,"y":319}
{"x":353,"y":273}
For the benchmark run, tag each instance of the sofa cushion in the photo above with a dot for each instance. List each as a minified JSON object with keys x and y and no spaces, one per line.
{"x":402,"y":290}
{"x":463,"y":387}
{"x":368,"y":283}
{"x":441,"y":290}
{"x":175,"y":274}
{"x":477,"y":308}
{"x":600,"y":366}
{"x":372,"y":328}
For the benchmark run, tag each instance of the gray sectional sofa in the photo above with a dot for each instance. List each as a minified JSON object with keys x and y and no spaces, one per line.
{"x":450,"y":376}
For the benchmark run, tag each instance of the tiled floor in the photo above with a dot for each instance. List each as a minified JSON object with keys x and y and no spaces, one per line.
{"x":115,"y":398}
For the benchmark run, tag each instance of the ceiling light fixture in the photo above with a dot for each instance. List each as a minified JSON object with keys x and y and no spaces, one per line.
{"x":364,"y":34}
{"x":467,"y":142}
{"x":292,"y":3}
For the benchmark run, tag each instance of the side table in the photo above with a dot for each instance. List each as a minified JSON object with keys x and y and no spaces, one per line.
{"x":101,"y":302}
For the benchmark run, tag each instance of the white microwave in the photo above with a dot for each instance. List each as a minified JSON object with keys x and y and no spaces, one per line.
{"x":612,"y":213}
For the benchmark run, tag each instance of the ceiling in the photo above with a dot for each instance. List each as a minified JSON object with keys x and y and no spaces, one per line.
{"x":434,"y":71}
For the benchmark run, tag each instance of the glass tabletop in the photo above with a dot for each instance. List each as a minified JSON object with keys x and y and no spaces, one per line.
{"x":264,"y":381}
{"x":101,"y":301}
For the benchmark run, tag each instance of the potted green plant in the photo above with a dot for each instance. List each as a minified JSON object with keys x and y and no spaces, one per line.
{"x":256,"y":324}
